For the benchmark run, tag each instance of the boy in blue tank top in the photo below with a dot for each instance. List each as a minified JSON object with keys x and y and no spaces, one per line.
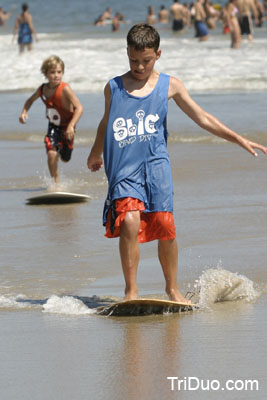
{"x":132,"y":135}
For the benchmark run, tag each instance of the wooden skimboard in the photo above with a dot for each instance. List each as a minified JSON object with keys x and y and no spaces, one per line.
{"x":58,"y":198}
{"x":144,"y":307}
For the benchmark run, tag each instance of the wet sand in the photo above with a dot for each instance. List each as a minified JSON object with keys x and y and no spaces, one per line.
{"x":53,"y":251}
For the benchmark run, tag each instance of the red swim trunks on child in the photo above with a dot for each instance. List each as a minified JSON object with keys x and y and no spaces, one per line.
{"x":153,"y":225}
{"x":55,"y":138}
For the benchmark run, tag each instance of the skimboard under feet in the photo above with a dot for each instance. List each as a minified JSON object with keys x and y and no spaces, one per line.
{"x":145,"y":306}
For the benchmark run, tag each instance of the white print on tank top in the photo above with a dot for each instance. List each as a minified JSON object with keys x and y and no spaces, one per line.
{"x":126,"y":132}
{"x":53,"y":115}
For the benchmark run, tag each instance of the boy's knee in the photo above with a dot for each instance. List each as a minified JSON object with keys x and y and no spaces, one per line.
{"x":52,"y":154}
{"x":131,"y":222}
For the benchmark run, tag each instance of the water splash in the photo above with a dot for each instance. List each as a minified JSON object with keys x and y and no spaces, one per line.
{"x":18,"y":302}
{"x":67,"y":184}
{"x":218,"y":285}
{"x":66,"y":305}
{"x":63,"y":186}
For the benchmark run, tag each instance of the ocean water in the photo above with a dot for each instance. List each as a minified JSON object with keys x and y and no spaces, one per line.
{"x":56,"y":266}
{"x":94,"y":54}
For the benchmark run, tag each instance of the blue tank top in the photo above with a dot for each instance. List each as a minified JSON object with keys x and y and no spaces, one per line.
{"x":135,"y":150}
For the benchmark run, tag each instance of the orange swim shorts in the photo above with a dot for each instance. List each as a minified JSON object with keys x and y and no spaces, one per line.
{"x":153,"y":225}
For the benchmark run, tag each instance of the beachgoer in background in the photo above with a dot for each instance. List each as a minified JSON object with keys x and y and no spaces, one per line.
{"x":99,"y":21}
{"x":224,"y":19}
{"x":178,"y":15}
{"x":233,"y":23}
{"x":63,"y":110}
{"x":163,"y":15}
{"x":4,"y":16}
{"x":106,"y":16}
{"x":25,"y":29}
{"x":151,"y":16}
{"x":116,"y":22}
{"x":246,"y":9}
{"x":211,"y":14}
{"x":188,"y":16}
{"x":261,"y":13}
{"x":132,"y":134}
{"x":202,"y":31}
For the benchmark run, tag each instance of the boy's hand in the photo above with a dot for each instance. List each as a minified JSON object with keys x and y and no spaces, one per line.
{"x":251,"y":146}
{"x":23,"y":118}
{"x":70,"y":132}
{"x":94,"y":163}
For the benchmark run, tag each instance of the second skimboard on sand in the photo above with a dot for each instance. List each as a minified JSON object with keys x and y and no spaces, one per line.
{"x":144,"y":306}
{"x":57,"y":198}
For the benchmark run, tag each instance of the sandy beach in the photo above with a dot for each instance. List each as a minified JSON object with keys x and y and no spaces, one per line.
{"x":55,"y":257}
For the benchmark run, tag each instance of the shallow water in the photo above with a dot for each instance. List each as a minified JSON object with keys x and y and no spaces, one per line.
{"x":47,"y":356}
{"x":55,"y":257}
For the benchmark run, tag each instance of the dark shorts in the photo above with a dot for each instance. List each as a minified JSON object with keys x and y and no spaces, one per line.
{"x":177,"y":25}
{"x":55,"y":139}
{"x":201,"y":29}
{"x":245,"y":25}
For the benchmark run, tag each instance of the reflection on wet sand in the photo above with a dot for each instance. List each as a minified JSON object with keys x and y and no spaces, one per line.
{"x":149,"y":353}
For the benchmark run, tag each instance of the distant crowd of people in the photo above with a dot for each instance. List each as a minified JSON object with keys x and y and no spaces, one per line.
{"x":237,"y":17}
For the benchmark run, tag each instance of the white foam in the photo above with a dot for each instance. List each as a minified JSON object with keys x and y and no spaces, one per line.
{"x":217,"y":285}
{"x":15,"y":302}
{"x":90,"y":62}
{"x":66,"y":305}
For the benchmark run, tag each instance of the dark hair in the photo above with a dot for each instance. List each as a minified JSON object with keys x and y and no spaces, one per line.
{"x":143,"y":36}
{"x":24,"y":7}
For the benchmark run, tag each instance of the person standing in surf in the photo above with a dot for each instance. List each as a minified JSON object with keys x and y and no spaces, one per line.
{"x":4,"y":16}
{"x":132,"y":134}
{"x":247,"y":8}
{"x":202,"y":32}
{"x":63,"y":110}
{"x":25,"y":29}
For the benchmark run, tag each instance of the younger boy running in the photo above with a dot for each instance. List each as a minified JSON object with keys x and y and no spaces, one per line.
{"x":63,"y":110}
{"x":133,"y":135}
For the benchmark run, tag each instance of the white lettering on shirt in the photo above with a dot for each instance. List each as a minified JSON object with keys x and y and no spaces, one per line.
{"x":124,"y":130}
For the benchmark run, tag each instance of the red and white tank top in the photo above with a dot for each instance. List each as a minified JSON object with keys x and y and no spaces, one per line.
{"x":55,"y":112}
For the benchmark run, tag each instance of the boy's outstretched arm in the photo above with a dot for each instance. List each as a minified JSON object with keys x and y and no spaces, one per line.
{"x":207,"y":121}
{"x":24,"y":115}
{"x":77,"y":111}
{"x":95,"y":161}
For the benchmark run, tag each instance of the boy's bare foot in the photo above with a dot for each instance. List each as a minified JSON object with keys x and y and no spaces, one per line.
{"x":130,"y":295}
{"x":175,"y":295}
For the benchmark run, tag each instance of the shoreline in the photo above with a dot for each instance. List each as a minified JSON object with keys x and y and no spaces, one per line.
{"x":243,"y":112}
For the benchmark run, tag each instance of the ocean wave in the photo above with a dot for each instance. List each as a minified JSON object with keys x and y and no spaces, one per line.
{"x":92,"y":61}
